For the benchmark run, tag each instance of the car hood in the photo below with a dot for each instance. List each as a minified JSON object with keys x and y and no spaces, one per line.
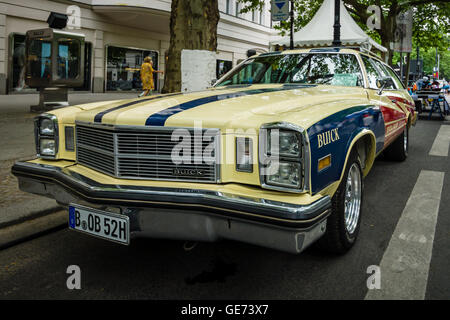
{"x":240,"y":107}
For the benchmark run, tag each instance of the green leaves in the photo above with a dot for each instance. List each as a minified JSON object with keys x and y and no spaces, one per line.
{"x":431,"y":18}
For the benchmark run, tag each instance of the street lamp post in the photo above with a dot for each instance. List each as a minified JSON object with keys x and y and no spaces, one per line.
{"x":337,"y":24}
{"x":291,"y":13}
{"x":417,"y":63}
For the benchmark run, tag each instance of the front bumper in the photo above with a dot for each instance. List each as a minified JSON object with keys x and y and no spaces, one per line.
{"x":185,"y":214}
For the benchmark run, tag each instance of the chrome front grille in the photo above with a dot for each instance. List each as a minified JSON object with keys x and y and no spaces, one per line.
{"x":146,"y":153}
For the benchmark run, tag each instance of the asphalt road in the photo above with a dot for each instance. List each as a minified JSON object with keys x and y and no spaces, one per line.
{"x":161,"y":269}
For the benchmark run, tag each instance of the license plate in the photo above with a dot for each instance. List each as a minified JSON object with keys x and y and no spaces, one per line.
{"x":102,"y":224}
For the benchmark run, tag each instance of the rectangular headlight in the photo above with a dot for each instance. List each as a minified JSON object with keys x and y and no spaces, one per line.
{"x":244,"y":154}
{"x":286,"y":175}
{"x":47,"y":147}
{"x":288,"y":143}
{"x":46,"y":127}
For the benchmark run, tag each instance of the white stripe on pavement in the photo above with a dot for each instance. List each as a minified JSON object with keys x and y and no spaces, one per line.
{"x":406,"y":261}
{"x":441,"y":142}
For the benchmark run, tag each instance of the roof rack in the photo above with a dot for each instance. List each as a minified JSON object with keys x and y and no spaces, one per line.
{"x":364,"y":49}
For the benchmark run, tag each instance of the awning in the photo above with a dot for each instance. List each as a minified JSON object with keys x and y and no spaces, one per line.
{"x":319,"y":31}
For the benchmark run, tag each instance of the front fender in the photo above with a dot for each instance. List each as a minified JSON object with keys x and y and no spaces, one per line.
{"x":336,"y":135}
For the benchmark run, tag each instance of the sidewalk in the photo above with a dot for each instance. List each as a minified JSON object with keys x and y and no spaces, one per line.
{"x":17,"y":143}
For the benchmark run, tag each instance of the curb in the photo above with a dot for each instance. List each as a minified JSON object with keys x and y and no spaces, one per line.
{"x":30,"y":216}
{"x":447,"y":120}
{"x":30,"y":229}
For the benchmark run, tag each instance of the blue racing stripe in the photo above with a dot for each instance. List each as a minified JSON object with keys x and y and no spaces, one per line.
{"x":99,"y":116}
{"x":159,"y":119}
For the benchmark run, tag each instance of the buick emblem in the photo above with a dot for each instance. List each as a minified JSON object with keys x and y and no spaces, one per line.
{"x":187,"y":172}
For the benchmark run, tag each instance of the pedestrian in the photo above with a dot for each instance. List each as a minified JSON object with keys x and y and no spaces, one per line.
{"x":147,"y":76}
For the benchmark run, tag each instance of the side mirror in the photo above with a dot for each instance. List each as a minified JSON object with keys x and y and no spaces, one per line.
{"x":384,"y":82}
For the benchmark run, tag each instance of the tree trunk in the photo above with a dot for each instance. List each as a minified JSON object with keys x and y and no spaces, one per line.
{"x":193,"y":26}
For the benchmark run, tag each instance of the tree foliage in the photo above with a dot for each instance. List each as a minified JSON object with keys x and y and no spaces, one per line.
{"x":428,"y":55}
{"x":431,"y":18}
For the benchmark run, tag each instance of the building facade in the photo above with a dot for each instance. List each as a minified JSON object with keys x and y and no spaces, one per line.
{"x":118,"y":36}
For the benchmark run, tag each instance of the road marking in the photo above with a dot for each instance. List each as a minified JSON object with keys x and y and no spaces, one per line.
{"x":441,"y":142}
{"x":406,"y":261}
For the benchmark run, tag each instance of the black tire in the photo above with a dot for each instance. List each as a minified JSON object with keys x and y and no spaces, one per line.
{"x":337,"y":238}
{"x":398,"y":150}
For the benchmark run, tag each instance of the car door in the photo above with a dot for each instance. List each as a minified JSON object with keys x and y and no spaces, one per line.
{"x":401,"y":95}
{"x":389,"y":100}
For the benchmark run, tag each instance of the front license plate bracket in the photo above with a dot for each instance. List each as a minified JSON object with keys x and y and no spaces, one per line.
{"x":98,"y":223}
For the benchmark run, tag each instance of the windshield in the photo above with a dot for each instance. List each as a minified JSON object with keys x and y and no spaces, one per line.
{"x":305,"y":68}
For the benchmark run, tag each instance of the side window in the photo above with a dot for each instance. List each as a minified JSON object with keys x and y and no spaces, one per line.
{"x":372,"y":72}
{"x":395,"y":77}
{"x":384,"y":72}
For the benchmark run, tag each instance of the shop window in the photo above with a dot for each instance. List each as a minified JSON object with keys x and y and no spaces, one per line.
{"x":123,"y":68}
{"x":17,"y":78}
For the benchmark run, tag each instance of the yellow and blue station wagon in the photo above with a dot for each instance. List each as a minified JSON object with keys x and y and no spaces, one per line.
{"x":274,"y":154}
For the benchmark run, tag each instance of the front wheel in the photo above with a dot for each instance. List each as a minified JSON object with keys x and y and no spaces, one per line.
{"x":344,"y":222}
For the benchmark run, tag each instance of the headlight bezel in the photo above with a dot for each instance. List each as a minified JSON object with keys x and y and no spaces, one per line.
{"x":49,"y":136}
{"x":303,"y":158}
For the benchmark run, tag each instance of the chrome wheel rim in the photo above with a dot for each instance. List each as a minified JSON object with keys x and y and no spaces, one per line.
{"x":352,"y":201}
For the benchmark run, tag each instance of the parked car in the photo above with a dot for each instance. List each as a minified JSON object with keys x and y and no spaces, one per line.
{"x":275,"y":154}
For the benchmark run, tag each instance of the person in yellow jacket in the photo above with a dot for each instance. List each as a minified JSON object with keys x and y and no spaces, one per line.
{"x":147,"y":76}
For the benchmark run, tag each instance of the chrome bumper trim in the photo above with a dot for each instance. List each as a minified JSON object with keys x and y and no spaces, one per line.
{"x":228,"y":204}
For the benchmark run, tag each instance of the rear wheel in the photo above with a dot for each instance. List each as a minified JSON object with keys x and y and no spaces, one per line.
{"x":344,"y":222}
{"x":398,"y":150}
